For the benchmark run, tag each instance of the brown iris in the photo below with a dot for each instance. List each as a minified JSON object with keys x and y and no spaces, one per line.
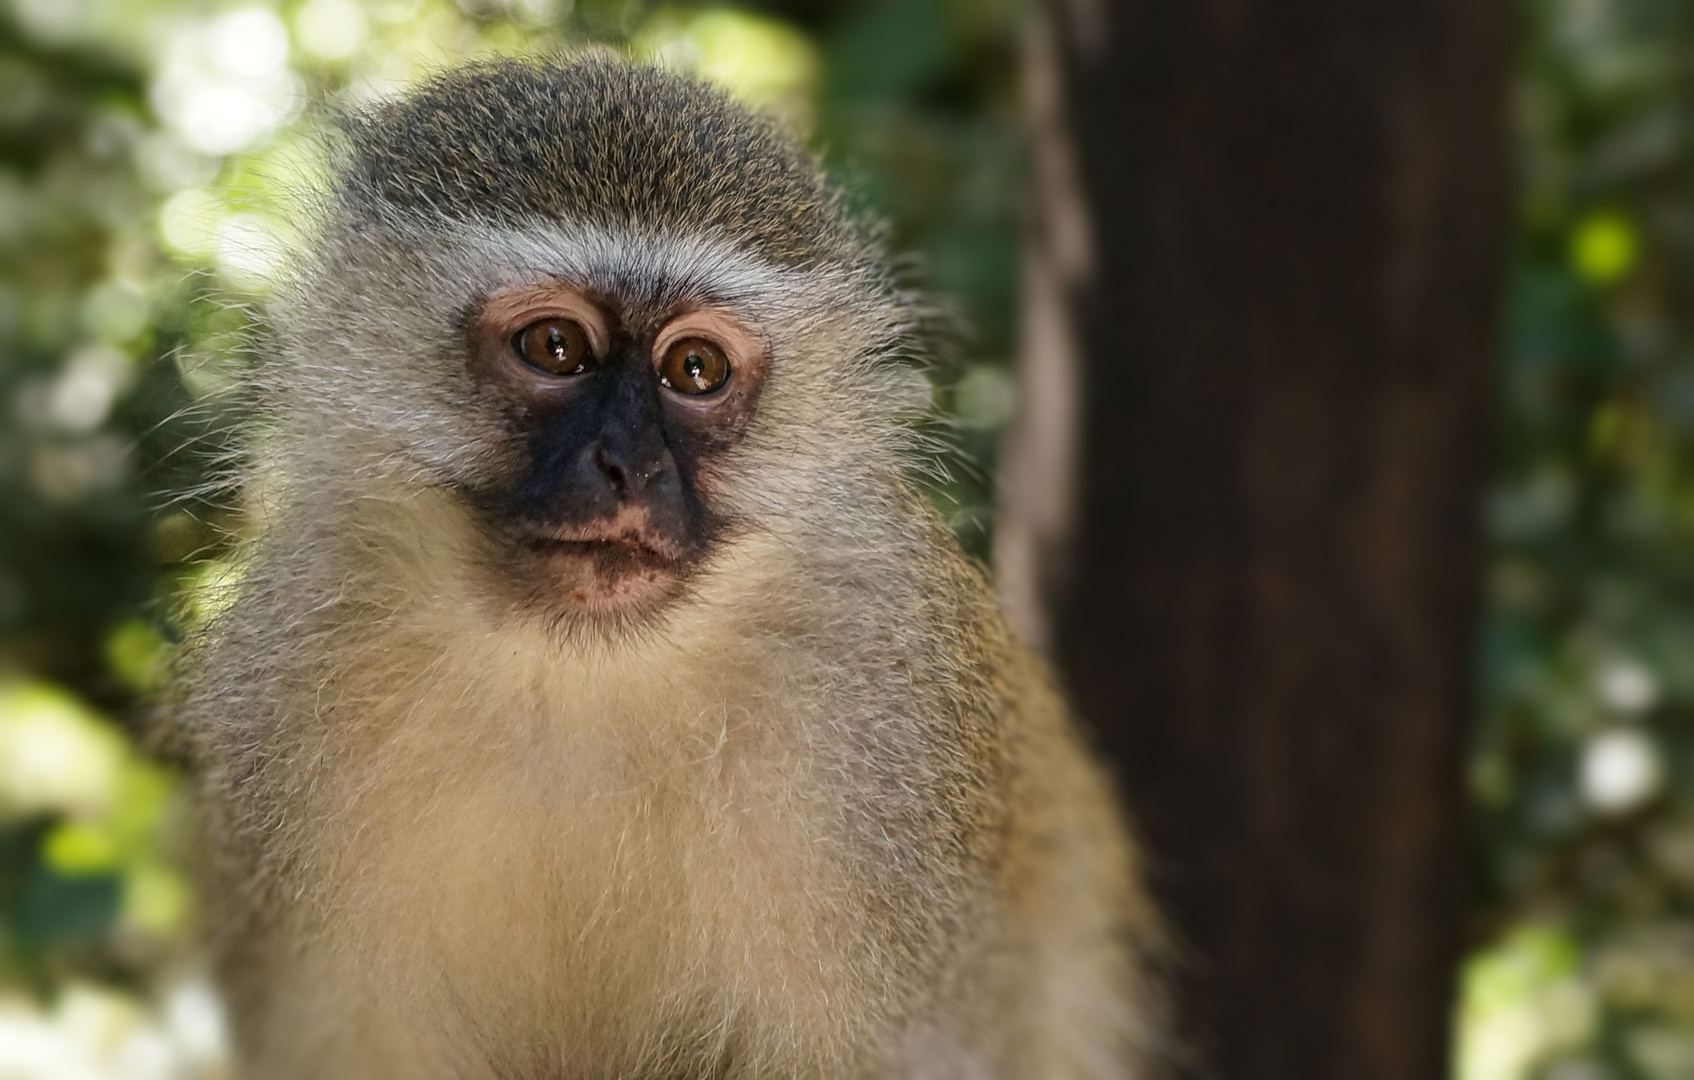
{"x":694,"y":366}
{"x":556,"y":346}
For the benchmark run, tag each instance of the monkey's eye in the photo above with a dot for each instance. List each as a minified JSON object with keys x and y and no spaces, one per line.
{"x":556,"y":346}
{"x":694,"y":366}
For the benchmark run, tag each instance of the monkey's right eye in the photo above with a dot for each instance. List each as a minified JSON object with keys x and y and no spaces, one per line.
{"x":556,"y":346}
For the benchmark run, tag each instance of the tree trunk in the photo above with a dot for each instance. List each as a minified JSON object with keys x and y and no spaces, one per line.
{"x":1264,"y":295}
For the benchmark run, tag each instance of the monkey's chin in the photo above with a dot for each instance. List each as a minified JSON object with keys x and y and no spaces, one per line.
{"x":610,"y":579}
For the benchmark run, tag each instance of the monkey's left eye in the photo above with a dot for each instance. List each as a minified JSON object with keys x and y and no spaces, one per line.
{"x":694,"y":366}
{"x":556,"y":346}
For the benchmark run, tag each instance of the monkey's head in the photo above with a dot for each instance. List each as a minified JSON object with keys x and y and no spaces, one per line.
{"x":622,"y":321}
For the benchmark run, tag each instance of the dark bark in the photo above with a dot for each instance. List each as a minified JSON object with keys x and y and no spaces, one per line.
{"x":1262,"y":583}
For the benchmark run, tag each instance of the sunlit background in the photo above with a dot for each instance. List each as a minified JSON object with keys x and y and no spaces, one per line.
{"x":147,"y":152}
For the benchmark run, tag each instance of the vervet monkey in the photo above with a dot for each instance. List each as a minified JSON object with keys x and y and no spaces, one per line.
{"x":599,"y":701}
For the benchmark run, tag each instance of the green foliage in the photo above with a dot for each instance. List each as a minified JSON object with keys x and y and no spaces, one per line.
{"x":1583,"y":757}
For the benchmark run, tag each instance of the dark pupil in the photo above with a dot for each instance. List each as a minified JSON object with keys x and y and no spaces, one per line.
{"x":556,"y":343}
{"x":694,"y":366}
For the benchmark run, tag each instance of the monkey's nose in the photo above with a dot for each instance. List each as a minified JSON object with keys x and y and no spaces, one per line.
{"x":627,"y":473}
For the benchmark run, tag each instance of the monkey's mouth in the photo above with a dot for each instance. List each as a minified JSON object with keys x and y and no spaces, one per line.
{"x":607,"y":567}
{"x":607,"y":556}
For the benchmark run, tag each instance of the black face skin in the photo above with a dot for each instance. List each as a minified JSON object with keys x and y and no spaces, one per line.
{"x":610,"y":449}
{"x":609,"y":512}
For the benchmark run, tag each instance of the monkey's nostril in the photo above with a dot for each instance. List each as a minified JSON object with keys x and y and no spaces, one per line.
{"x":613,"y":470}
{"x":626,"y":477}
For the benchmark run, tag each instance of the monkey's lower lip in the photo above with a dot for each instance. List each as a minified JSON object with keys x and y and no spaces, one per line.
{"x":608,"y":577}
{"x":609,"y":574}
{"x":608,"y":554}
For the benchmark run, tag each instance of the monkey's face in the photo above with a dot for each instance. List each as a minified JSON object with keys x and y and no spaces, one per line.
{"x":623,"y":411}
{"x":626,"y":422}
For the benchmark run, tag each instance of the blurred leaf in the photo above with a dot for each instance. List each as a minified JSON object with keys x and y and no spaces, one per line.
{"x":1604,"y":248}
